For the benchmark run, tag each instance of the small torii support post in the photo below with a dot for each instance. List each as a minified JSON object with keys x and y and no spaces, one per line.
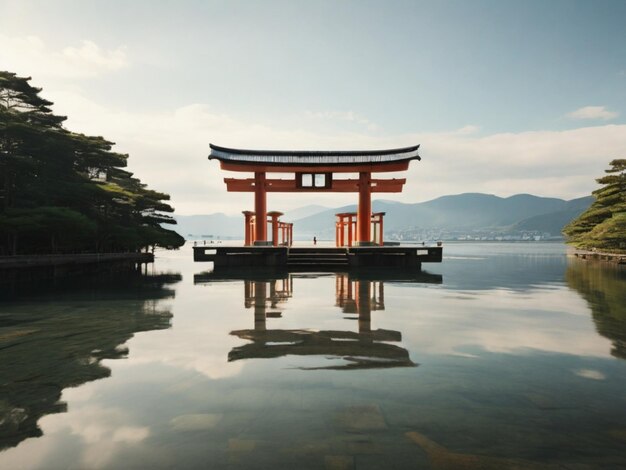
{"x":345,"y":219}
{"x":281,"y":231}
{"x":313,"y":172}
{"x":248,"y":216}
{"x":377,"y":224}
{"x":285,"y":233}
{"x":273,"y":219}
{"x":349,"y":220}
{"x":348,"y":294}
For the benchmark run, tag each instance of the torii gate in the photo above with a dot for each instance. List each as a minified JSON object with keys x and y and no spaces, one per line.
{"x":314,"y":171}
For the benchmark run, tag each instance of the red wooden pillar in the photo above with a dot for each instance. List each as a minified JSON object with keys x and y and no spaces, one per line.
{"x":364,"y":306}
{"x":374,"y":229}
{"x":247,"y":294}
{"x":247,"y":227}
{"x":338,"y":290}
{"x":350,"y":230}
{"x":260,"y":208}
{"x":274,"y":221}
{"x":342,"y":241}
{"x":364,"y":212}
{"x":290,"y":234}
{"x":380,"y":227}
{"x":260,"y":296}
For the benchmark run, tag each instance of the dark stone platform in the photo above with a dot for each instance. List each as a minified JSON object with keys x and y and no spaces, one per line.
{"x":318,"y":258}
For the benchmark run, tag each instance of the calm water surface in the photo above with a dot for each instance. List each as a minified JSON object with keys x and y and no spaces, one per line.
{"x":503,"y":356}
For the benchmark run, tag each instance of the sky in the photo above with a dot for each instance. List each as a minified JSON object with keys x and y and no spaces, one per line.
{"x":504,"y":97}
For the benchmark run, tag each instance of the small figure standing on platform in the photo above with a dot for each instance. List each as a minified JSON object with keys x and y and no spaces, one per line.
{"x":315,"y":240}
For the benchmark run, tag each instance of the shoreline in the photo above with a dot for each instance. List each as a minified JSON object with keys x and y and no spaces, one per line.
{"x":606,"y":257}
{"x":36,"y":267}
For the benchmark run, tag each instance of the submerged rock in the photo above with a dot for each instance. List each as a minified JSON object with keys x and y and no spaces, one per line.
{"x":195,"y":422}
{"x":361,"y":418}
{"x":444,"y":459}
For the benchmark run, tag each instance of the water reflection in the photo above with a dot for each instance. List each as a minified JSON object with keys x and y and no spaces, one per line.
{"x":512,"y":375}
{"x":356,"y":297}
{"x":604,"y":288}
{"x":60,"y":340}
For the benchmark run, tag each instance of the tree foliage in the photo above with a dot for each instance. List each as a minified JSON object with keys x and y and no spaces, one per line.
{"x":603,"y":225}
{"x":605,"y":292}
{"x":62,"y":191}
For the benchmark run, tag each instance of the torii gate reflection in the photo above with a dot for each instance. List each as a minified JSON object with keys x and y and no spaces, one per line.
{"x":365,"y":348}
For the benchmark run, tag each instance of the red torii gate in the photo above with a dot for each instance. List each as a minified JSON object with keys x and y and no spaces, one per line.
{"x":314,"y":172}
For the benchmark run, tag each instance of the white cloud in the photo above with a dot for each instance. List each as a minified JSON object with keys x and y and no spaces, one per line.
{"x":188,"y":348}
{"x":348,"y":116}
{"x":593,"y":112}
{"x":544,"y":320}
{"x":467,"y":130}
{"x":90,"y":55}
{"x":31,"y":55}
{"x":168,"y":150}
{"x":590,"y":374}
{"x":103,"y":433}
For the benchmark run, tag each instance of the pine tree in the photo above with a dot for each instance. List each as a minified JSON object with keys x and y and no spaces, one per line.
{"x":603,"y":225}
{"x":65,"y":192}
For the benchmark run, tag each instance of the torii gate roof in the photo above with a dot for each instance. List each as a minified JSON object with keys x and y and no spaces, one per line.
{"x":307,"y":160}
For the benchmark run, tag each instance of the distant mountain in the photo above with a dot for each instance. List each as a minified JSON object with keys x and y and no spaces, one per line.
{"x":554,"y":222}
{"x":463,"y":212}
{"x":230,"y":226}
{"x":303,"y":212}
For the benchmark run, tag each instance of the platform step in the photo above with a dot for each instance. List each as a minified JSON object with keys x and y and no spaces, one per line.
{"x":317,"y":250}
{"x":312,"y":261}
{"x":317,"y":257}
{"x":320,"y":256}
{"x":317,"y":266}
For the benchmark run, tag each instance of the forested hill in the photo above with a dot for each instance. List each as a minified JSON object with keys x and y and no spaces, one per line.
{"x":66,"y":192}
{"x":462,"y":212}
{"x":468,"y":212}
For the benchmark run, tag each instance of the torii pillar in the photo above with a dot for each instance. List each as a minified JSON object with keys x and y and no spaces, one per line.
{"x":364,"y":211}
{"x":260,"y":209}
{"x":247,"y":227}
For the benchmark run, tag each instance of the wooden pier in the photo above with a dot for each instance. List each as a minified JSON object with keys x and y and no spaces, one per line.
{"x":33,"y":267}
{"x":613,"y":258}
{"x":30,"y":261}
{"x":318,"y":258}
